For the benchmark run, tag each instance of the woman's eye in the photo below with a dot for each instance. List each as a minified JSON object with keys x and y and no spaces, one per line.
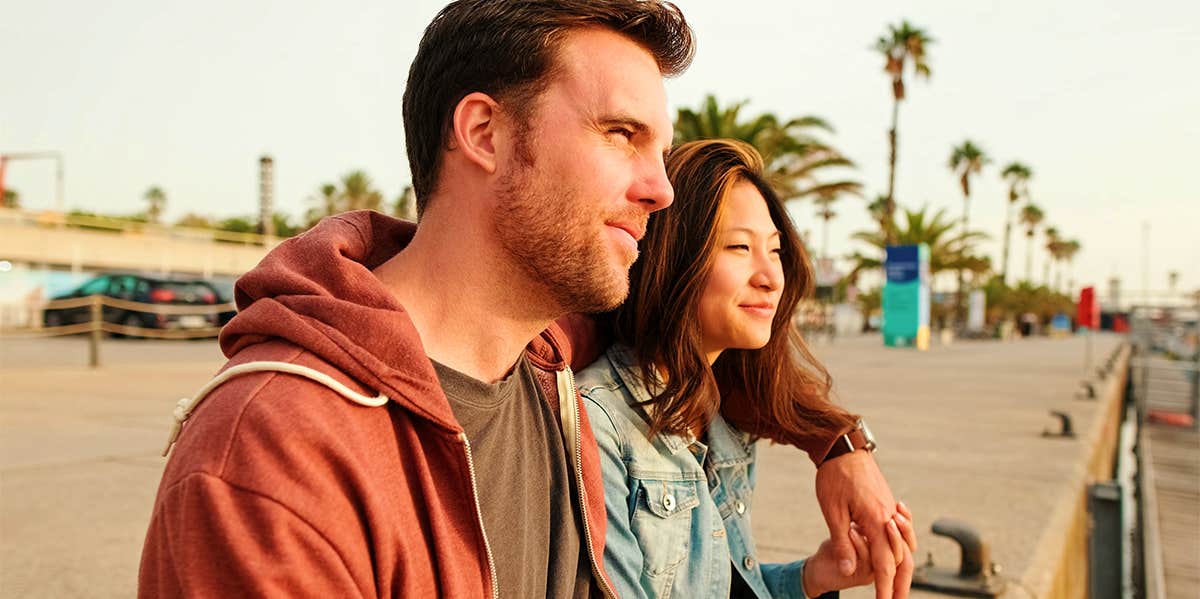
{"x":738,"y":246}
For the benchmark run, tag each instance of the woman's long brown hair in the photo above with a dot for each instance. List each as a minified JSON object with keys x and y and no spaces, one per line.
{"x":779,"y":392}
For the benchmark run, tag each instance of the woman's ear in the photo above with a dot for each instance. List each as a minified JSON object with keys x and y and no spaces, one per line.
{"x":475,"y":128}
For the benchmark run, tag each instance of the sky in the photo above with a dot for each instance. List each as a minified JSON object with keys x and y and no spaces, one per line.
{"x":1093,"y":95}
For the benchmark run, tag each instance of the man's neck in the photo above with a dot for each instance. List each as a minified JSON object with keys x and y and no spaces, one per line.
{"x":475,"y":311}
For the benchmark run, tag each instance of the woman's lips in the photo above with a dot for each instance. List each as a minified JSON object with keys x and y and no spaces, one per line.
{"x":759,"y":310}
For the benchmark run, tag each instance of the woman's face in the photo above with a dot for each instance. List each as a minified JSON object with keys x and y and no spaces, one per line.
{"x":743,"y":288}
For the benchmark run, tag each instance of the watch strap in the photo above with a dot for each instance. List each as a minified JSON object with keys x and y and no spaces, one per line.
{"x":847,"y":443}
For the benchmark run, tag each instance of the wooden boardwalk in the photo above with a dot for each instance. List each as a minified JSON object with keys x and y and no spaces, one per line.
{"x":1175,"y":463}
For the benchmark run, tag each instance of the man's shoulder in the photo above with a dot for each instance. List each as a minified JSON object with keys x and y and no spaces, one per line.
{"x":273,"y":421}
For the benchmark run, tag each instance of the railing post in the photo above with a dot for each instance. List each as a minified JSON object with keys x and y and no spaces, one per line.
{"x":1196,"y":392}
{"x":97,"y":315}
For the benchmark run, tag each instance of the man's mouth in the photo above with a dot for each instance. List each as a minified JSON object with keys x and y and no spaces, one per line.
{"x":627,"y":234}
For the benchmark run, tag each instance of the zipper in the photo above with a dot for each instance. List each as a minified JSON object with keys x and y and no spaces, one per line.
{"x":479,"y":514}
{"x":567,"y":395}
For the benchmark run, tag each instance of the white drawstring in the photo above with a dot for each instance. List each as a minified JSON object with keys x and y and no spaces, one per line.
{"x":186,"y":405}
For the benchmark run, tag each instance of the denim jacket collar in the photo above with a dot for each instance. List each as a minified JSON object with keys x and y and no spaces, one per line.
{"x":725,"y":445}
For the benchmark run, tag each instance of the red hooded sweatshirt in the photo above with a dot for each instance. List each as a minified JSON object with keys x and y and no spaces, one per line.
{"x":279,"y":486}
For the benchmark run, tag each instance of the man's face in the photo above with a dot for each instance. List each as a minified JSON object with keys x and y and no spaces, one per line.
{"x":576,"y":192}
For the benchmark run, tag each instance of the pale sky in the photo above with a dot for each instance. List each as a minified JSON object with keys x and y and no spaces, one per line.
{"x":1094,"y":96}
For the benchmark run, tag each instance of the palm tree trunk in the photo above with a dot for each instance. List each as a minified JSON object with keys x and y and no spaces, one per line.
{"x":1046,"y":270}
{"x":1029,"y":259}
{"x":1007,"y":236}
{"x":825,"y":240}
{"x":958,"y":295}
{"x":890,"y":207}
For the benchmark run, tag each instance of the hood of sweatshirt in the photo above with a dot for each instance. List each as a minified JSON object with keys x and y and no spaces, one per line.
{"x":317,"y":291}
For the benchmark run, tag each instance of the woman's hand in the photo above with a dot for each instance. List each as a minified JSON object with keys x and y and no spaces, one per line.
{"x":822,"y":574}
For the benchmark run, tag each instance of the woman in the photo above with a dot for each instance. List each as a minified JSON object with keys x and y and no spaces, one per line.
{"x":705,"y":362}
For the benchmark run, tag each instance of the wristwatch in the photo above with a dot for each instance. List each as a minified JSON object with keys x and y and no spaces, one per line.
{"x":858,"y":438}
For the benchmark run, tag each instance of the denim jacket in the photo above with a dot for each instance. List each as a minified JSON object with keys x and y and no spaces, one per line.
{"x":678,"y":510}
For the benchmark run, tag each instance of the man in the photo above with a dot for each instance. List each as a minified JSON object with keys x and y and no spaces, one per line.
{"x":397,"y":417}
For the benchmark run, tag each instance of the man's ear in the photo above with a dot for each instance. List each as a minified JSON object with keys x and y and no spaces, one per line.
{"x":475,"y":128}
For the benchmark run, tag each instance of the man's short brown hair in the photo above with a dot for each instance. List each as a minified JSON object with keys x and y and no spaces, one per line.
{"x":506,"y":49}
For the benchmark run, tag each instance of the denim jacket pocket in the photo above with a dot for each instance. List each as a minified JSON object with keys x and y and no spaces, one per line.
{"x":662,"y":521}
{"x":733,"y":498}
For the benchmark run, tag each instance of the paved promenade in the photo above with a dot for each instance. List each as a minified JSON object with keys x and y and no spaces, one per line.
{"x":960,"y":429}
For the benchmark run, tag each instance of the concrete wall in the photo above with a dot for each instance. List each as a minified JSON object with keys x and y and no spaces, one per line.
{"x":81,"y":249}
{"x":1059,"y":568}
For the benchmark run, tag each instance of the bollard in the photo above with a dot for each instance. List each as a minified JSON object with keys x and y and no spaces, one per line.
{"x":97,"y":315}
{"x":977,"y":575}
{"x":1089,"y":392}
{"x":1067,"y":432}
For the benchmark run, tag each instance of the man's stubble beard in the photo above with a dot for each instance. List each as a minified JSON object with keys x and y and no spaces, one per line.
{"x":556,"y":242}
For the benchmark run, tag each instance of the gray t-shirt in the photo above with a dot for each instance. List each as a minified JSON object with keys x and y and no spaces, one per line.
{"x":524,"y":482}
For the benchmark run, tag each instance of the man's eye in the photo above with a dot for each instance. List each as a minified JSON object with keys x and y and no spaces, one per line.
{"x":623,"y":132}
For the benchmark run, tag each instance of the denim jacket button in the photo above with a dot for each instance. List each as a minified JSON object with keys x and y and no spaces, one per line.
{"x":741,"y":509}
{"x":669,"y":502}
{"x":748,"y":562}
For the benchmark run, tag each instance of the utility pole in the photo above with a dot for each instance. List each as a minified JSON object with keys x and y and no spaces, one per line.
{"x":1145,"y":262}
{"x":266,"y":195}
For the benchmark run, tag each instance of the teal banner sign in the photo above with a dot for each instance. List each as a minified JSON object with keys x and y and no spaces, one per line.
{"x":906,"y":297}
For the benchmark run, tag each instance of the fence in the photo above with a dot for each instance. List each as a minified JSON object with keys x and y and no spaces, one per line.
{"x":95,"y":324}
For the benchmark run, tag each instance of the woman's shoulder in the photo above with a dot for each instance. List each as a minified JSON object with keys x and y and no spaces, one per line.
{"x":607,"y":395}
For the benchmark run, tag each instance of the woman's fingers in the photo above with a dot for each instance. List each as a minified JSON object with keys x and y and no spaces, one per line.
{"x":903,"y":509}
{"x":896,"y":540}
{"x":904,"y":576}
{"x":907,"y":532}
{"x":860,"y":546}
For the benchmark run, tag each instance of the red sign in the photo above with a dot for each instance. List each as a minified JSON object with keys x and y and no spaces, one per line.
{"x":1088,"y":314}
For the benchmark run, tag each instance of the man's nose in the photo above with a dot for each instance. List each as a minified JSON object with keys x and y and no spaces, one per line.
{"x":653,"y":190}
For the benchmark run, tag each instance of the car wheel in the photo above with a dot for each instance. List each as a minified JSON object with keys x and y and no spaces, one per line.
{"x":53,"y":318}
{"x":132,"y":320}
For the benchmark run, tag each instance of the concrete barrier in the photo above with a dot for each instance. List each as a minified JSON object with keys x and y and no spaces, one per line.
{"x":1058,"y":568}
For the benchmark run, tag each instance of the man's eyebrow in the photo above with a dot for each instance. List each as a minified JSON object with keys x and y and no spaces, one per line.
{"x":623,"y":119}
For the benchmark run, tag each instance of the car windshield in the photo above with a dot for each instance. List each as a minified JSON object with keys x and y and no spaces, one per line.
{"x":224,"y":289}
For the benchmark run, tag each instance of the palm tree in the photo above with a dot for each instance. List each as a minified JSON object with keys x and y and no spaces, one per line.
{"x":792,"y":153}
{"x":157,"y":199}
{"x":1031,"y":217}
{"x":1017,"y":176}
{"x":947,"y":250}
{"x":900,"y":45}
{"x":1051,"y":235}
{"x":10,"y":199}
{"x":1172,"y":281}
{"x":966,"y":160}
{"x":357,"y":192}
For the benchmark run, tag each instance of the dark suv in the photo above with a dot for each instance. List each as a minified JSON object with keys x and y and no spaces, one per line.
{"x":144,"y":289}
